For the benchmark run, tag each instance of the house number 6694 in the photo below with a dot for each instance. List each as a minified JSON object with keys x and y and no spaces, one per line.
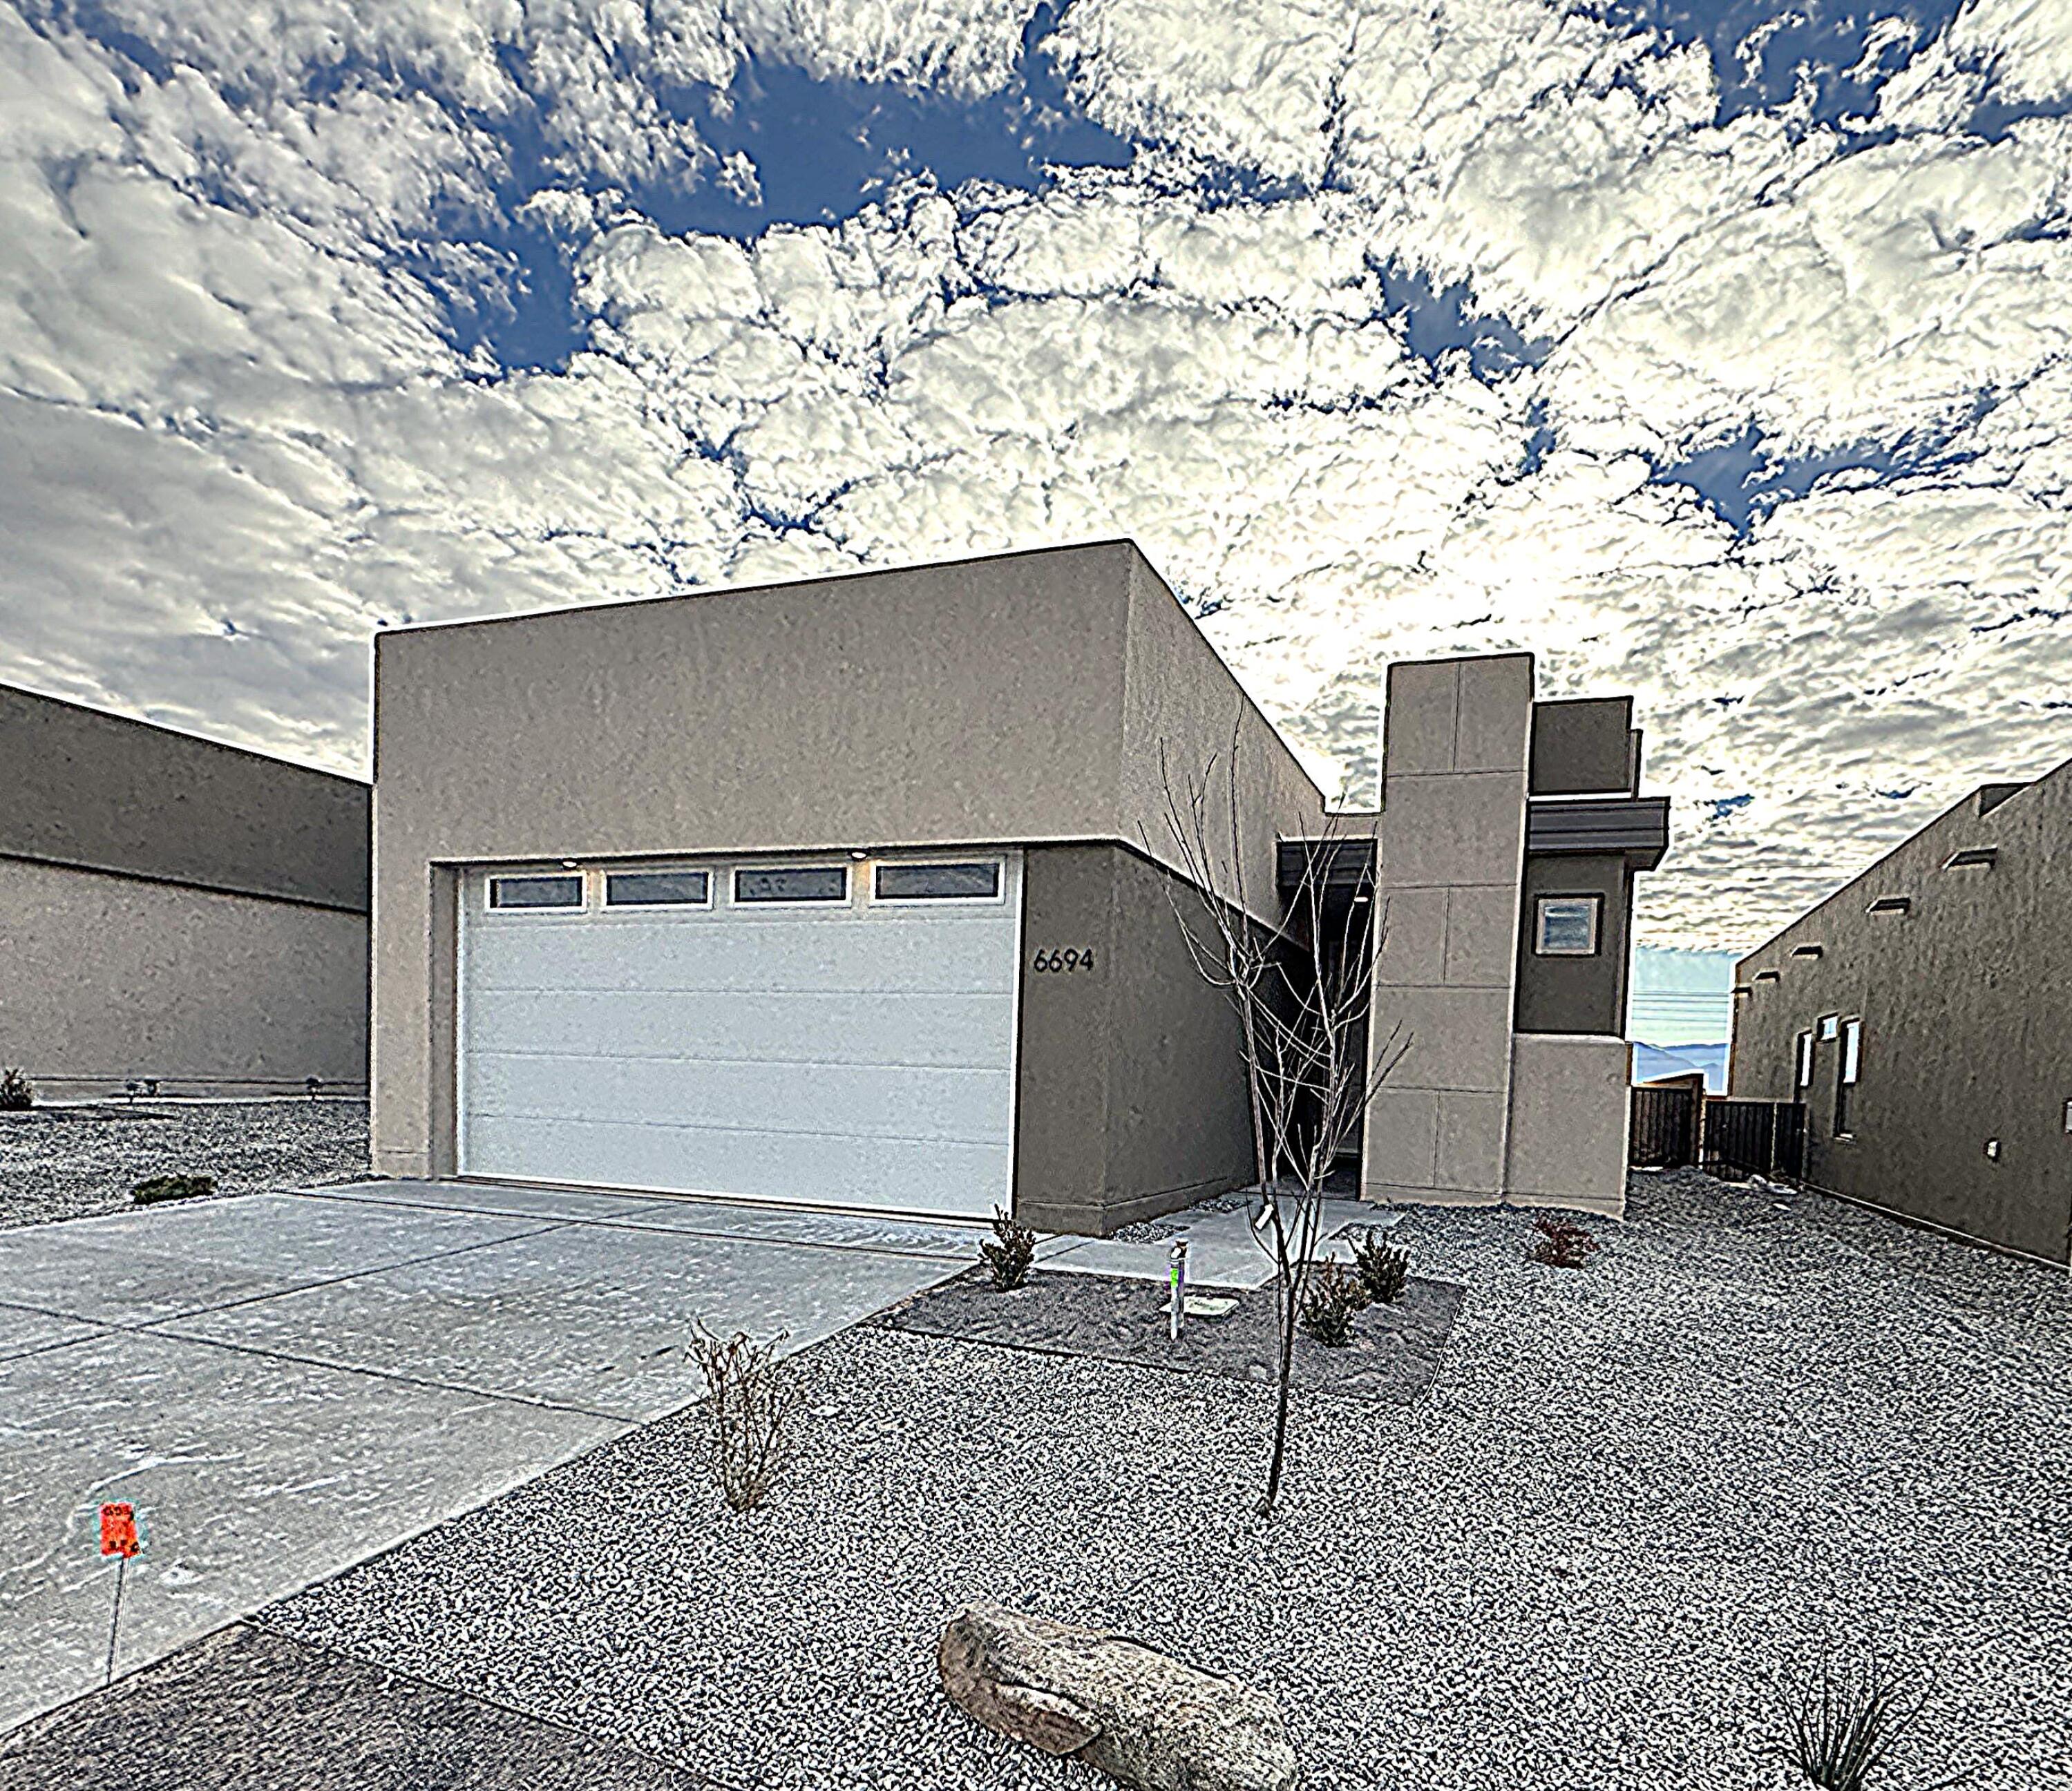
{"x":1069,"y":957}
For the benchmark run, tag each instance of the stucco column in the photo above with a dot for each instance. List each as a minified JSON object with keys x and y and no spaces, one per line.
{"x":1456,"y":750}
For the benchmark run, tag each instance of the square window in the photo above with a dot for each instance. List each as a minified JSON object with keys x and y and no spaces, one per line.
{"x":825,"y":883}
{"x":536,"y":891}
{"x":977,"y":881}
{"x":1829,"y":1022}
{"x":658,"y":889}
{"x":1566,"y":927}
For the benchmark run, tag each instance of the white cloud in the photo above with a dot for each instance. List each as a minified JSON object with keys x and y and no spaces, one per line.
{"x":226,"y":397}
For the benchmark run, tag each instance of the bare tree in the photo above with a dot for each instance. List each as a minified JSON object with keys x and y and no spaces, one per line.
{"x":1302,"y":993}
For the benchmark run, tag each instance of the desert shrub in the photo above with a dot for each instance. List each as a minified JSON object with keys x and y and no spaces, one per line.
{"x":1333,"y":1295}
{"x":1382,"y":1269}
{"x":1560,"y":1243}
{"x":1012,"y":1251}
{"x":749,"y":1401}
{"x":1842,"y":1723}
{"x":154,"y":1188}
{"x":17,"y":1094}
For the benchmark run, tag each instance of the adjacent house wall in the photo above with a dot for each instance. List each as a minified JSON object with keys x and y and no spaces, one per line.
{"x":173,"y":909}
{"x":1009,"y":700}
{"x":1963,"y":1002}
{"x":102,"y":792}
{"x":104,"y":979}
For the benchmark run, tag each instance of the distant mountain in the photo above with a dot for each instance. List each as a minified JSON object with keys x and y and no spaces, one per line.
{"x":1652,"y":1062}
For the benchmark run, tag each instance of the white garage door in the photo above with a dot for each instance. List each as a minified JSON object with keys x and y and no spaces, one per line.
{"x":818,"y":1032}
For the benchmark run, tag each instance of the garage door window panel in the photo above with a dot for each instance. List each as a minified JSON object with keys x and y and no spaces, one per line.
{"x":536,"y":891}
{"x":975,"y":880}
{"x":658,"y":889}
{"x":821,"y":886}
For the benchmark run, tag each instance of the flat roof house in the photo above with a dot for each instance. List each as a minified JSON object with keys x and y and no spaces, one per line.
{"x":175,"y":909}
{"x":860,"y":892}
{"x":1919,"y":1013}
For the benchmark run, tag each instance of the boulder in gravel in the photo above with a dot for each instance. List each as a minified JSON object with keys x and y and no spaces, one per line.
{"x":1145,"y":1719}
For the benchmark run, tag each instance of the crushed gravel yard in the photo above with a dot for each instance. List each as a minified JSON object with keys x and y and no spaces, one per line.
{"x":67,"y":1162}
{"x":1758,"y":1424}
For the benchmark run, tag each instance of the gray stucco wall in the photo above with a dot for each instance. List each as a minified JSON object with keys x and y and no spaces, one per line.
{"x":105,"y":978}
{"x":1584,"y":745}
{"x":1454,"y":765}
{"x":1017,"y":699}
{"x":105,"y":793}
{"x":1963,"y":1003}
{"x":1576,"y":995}
{"x":1131,"y":1096}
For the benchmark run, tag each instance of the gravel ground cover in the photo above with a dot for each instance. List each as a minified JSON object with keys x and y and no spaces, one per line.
{"x":1392,"y":1355}
{"x":1754,"y":1427}
{"x":67,"y":1162}
{"x":245,"y":1711}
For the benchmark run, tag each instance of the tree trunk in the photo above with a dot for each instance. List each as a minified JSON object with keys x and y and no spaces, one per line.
{"x":1145,"y":1720}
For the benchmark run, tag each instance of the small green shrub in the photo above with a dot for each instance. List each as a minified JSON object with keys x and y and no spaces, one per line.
{"x":1333,"y":1295}
{"x":154,"y":1188}
{"x":1009,"y":1257}
{"x":1843,"y":1722}
{"x":1561,"y":1243}
{"x":1383,"y":1270}
{"x":17,"y":1094}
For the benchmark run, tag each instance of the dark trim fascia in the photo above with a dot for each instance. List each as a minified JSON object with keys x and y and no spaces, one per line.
{"x":249,"y":892}
{"x":1637,"y":827}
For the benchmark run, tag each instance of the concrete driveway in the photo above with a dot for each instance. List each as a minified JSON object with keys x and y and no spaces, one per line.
{"x":285,"y":1384}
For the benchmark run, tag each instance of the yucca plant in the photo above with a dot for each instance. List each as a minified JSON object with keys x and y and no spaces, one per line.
{"x":1331,"y":1295}
{"x":1383,"y":1270}
{"x":17,"y":1094}
{"x":1843,"y":1721}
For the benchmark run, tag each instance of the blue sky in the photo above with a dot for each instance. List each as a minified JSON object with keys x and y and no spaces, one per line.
{"x":1715,"y":352}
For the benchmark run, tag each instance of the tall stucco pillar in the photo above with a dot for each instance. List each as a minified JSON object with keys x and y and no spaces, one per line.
{"x":1456,"y":751}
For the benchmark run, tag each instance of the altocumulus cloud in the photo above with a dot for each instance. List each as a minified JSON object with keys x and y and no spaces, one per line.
{"x":1719,"y":353}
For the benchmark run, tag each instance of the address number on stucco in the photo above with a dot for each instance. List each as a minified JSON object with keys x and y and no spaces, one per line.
{"x":1062,"y":958}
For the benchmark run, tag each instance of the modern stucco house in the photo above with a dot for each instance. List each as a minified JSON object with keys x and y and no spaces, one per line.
{"x":175,"y":910}
{"x":1919,"y":1013}
{"x":860,"y":892}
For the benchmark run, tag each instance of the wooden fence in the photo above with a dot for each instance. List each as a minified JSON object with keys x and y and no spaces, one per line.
{"x":1676,"y":1123}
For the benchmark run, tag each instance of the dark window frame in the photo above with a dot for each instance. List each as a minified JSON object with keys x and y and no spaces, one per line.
{"x":1595,"y":900}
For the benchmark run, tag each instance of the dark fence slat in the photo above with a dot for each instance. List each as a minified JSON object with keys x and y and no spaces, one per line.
{"x":1664,"y":1132}
{"x":1744,"y":1138}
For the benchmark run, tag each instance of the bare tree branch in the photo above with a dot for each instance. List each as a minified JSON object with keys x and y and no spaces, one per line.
{"x":1302,"y":991}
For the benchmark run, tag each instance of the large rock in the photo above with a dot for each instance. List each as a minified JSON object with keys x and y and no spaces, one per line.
{"x":1142,"y":1719}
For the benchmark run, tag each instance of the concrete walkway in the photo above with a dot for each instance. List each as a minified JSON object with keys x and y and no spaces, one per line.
{"x":285,"y":1384}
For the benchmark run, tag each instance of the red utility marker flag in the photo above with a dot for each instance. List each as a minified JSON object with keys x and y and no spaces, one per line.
{"x":118,"y":1530}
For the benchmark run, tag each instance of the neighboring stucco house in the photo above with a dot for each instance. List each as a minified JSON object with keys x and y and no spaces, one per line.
{"x":175,"y":910}
{"x":1919,"y":1013}
{"x":860,"y":892}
